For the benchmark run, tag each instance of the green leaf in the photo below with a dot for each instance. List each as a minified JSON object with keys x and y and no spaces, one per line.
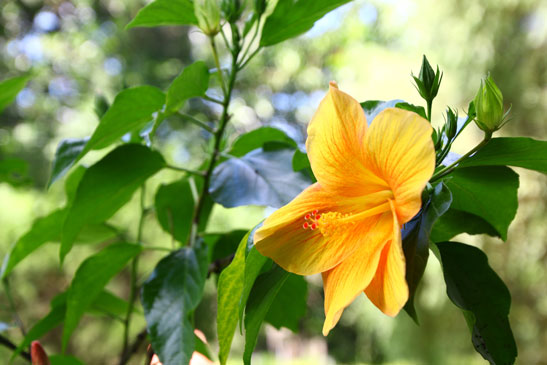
{"x":175,"y":208}
{"x":420,"y":110}
{"x":165,"y":12}
{"x":294,"y":17}
{"x":454,"y":222}
{"x":230,"y":289}
{"x":255,"y":264}
{"x":14,"y":171}
{"x":44,"y":229}
{"x":262,"y":296}
{"x":192,"y":82}
{"x":289,"y":306}
{"x":131,"y":110}
{"x":53,"y":319}
{"x":169,"y":295}
{"x":257,"y":138}
{"x":415,"y":235}
{"x":474,"y":287}
{"x":109,"y":304}
{"x":9,"y":89}
{"x":513,"y":151}
{"x":107,"y":186}
{"x":489,"y":192}
{"x":65,"y":156}
{"x":373,"y":107}
{"x":258,"y":178}
{"x":90,"y":279}
{"x":64,"y":360}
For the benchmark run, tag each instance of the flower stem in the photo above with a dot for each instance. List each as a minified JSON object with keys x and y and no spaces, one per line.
{"x":217,"y":64}
{"x":134,"y":287}
{"x":447,"y":170}
{"x":188,"y":171}
{"x":195,"y":121}
{"x":217,"y":137}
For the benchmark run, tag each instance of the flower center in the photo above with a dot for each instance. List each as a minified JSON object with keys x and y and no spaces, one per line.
{"x":330,"y":223}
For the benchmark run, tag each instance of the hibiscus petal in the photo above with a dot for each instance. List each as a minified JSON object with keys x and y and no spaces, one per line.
{"x":400,"y":150}
{"x":388,"y":289}
{"x":346,"y":281}
{"x":334,"y":145}
{"x":305,"y":251}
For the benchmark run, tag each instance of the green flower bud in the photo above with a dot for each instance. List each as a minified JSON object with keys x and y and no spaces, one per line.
{"x":208,"y":15}
{"x":232,"y":9}
{"x":451,"y":124}
{"x":428,"y":81}
{"x":260,"y":6}
{"x":489,"y":106}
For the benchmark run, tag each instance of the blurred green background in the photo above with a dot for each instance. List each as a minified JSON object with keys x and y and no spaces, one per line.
{"x":78,"y":50}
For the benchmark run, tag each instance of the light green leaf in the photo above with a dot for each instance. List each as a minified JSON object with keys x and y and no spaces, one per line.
{"x":165,"y":12}
{"x":67,"y":152}
{"x":14,"y":171}
{"x":230,"y":289}
{"x":90,"y":279}
{"x":257,"y":138}
{"x":107,"y":186}
{"x":9,"y":89}
{"x":489,"y":192}
{"x":192,"y":82}
{"x":291,"y":18}
{"x":170,"y":294}
{"x":64,"y":360}
{"x":473,"y":286}
{"x":131,"y":110}
{"x":513,"y":151}
{"x":44,"y":229}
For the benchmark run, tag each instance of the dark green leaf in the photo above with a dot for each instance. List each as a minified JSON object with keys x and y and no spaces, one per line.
{"x":513,"y":151}
{"x":9,"y":89}
{"x":412,"y":108}
{"x":14,"y":171}
{"x":260,"y":300}
{"x":294,"y":17}
{"x":222,"y":245}
{"x":175,"y":208}
{"x":44,"y":229}
{"x":489,"y":192}
{"x":107,"y":186}
{"x":131,"y":110}
{"x":373,"y":107}
{"x":90,"y":279}
{"x":230,"y":289}
{"x":454,"y":222}
{"x":64,"y":360}
{"x":289,"y":306}
{"x":67,"y":152}
{"x":257,"y":138}
{"x":300,"y":160}
{"x":169,"y":295}
{"x":258,"y":178}
{"x":192,"y":82}
{"x":474,"y":287}
{"x":415,"y":235}
{"x":165,"y":12}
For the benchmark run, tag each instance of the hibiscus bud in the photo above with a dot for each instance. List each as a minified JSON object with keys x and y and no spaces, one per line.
{"x":260,"y":6}
{"x":451,"y":125}
{"x":232,"y":9}
{"x":37,"y":354}
{"x":208,"y":15}
{"x":489,"y":106}
{"x":428,"y":81}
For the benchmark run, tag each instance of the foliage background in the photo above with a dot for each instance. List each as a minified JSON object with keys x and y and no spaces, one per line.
{"x":79,"y":49}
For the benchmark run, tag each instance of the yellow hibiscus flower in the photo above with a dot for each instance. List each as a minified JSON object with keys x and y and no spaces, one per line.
{"x":347,"y":226}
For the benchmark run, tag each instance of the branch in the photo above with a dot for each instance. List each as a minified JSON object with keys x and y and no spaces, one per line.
{"x":4,"y":341}
{"x":134,"y":348}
